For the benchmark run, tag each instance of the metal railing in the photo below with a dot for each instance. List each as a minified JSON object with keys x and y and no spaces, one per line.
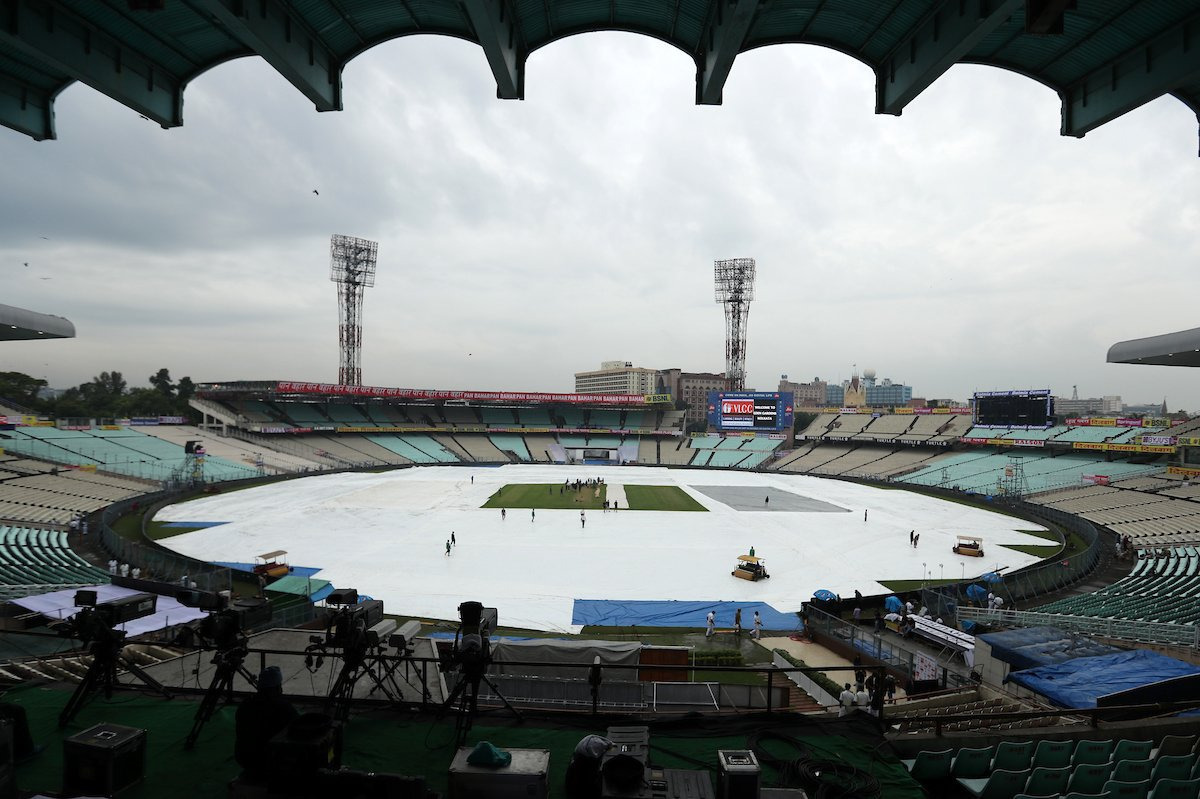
{"x":875,"y":646}
{"x":1183,"y":635}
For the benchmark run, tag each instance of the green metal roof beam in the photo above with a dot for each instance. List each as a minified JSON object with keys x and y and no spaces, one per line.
{"x":940,"y":39}
{"x":720,"y":42}
{"x":268,"y":28}
{"x":61,"y":42}
{"x":1168,"y":62}
{"x":494,"y":24}
{"x":26,"y":109}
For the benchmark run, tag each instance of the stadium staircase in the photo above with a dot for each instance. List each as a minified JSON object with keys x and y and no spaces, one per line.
{"x":73,"y":667}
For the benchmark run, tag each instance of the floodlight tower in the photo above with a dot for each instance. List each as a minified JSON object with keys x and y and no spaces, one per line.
{"x":352,"y":267}
{"x":735,"y":290}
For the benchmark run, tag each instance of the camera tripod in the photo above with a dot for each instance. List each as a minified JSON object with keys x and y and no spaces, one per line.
{"x":466,"y":693}
{"x":106,"y":652}
{"x":230,"y":661}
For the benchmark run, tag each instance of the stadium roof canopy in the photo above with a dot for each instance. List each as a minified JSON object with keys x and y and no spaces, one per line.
{"x":1103,"y":57}
{"x":1169,"y":349}
{"x":17,"y":324}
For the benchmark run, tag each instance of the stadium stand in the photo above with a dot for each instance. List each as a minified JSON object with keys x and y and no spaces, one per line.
{"x":570,"y":418}
{"x":674,"y":451}
{"x":507,"y":442}
{"x":888,"y":426}
{"x":848,"y":425}
{"x":648,"y":451}
{"x":534,"y":417}
{"x":274,"y":459}
{"x":480,"y":449}
{"x":498,"y":417}
{"x":304,"y":414}
{"x":401,"y":447}
{"x":604,"y":419}
{"x":347,"y":415}
{"x":435,"y":449}
{"x":539,"y":445}
{"x":36,"y":560}
{"x":460,"y":416}
{"x":1164,"y":587}
{"x":855,"y":462}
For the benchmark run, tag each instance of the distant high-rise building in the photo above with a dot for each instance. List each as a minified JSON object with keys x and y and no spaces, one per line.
{"x":1089,"y":406}
{"x":805,"y":394}
{"x":617,"y":377}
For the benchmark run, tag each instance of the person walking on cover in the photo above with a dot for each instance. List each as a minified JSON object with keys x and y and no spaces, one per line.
{"x":502,"y":514}
{"x":758,"y":625}
{"x":453,"y":540}
{"x":710,"y":621}
{"x":532,"y":514}
{"x":737,"y":622}
{"x":447,"y":547}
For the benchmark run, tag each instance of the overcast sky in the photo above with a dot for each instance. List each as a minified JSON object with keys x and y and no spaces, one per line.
{"x":963,"y":246}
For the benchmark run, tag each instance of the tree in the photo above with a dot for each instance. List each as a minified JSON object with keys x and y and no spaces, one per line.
{"x":161,"y":380}
{"x":802,"y":420}
{"x":21,"y":388}
{"x":185,"y":389}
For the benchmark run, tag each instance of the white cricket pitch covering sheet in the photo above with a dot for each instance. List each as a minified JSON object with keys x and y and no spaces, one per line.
{"x":385,"y":535}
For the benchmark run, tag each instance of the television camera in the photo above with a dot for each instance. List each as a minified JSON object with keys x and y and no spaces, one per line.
{"x":94,"y":625}
{"x":357,"y":632}
{"x":223,"y":630}
{"x":470,"y":655}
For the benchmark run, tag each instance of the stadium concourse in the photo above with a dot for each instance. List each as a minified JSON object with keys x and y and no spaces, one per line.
{"x":385,"y":534}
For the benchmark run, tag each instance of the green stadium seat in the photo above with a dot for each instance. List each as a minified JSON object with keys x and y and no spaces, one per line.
{"x":1089,"y":778}
{"x":1053,"y":754}
{"x":1174,"y":745}
{"x":1175,"y":789}
{"x":1121,"y":789}
{"x":1000,"y":784}
{"x":972,"y":762}
{"x":1045,"y":781}
{"x":928,"y":766}
{"x":1092,"y":752}
{"x":1133,"y":771}
{"x":1171,"y":767}
{"x":1013,"y":755}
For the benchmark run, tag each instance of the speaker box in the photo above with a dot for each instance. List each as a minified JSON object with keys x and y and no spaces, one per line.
{"x":103,"y":760}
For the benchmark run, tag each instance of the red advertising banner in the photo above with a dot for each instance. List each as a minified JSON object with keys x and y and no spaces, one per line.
{"x":479,"y":396}
{"x":1095,"y":479}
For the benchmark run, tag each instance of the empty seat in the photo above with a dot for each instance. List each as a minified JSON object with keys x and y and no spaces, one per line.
{"x":1053,"y":754}
{"x":1046,"y":781}
{"x":972,"y":762}
{"x":1174,"y":745}
{"x":1000,"y":784}
{"x":1175,"y":789}
{"x":1092,"y":752}
{"x":1132,"y":750}
{"x":1014,"y":755}
{"x":929,"y":766}
{"x":1171,"y":767}
{"x":1089,"y":778}
{"x":1119,"y":789}
{"x":1133,"y":771}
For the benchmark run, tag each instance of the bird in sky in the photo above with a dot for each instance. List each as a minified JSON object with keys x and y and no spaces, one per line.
{"x":47,"y":238}
{"x":45,"y":278}
{"x":27,"y":264}
{"x":316,"y":192}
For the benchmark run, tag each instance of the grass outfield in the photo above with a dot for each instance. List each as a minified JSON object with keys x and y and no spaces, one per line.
{"x":660,"y":498}
{"x":550,"y":496}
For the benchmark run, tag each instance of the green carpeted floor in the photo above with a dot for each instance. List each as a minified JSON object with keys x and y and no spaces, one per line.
{"x":416,"y":744}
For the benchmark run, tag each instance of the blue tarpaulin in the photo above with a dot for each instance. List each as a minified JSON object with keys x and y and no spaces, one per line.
{"x":1076,"y":683}
{"x":893,"y":604}
{"x":824,"y":594}
{"x":675,"y":613}
{"x":1026,"y":647}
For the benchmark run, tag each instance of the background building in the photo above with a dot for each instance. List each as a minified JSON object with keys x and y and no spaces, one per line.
{"x":1110,"y":405}
{"x":807,"y":395}
{"x":617,"y":377}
